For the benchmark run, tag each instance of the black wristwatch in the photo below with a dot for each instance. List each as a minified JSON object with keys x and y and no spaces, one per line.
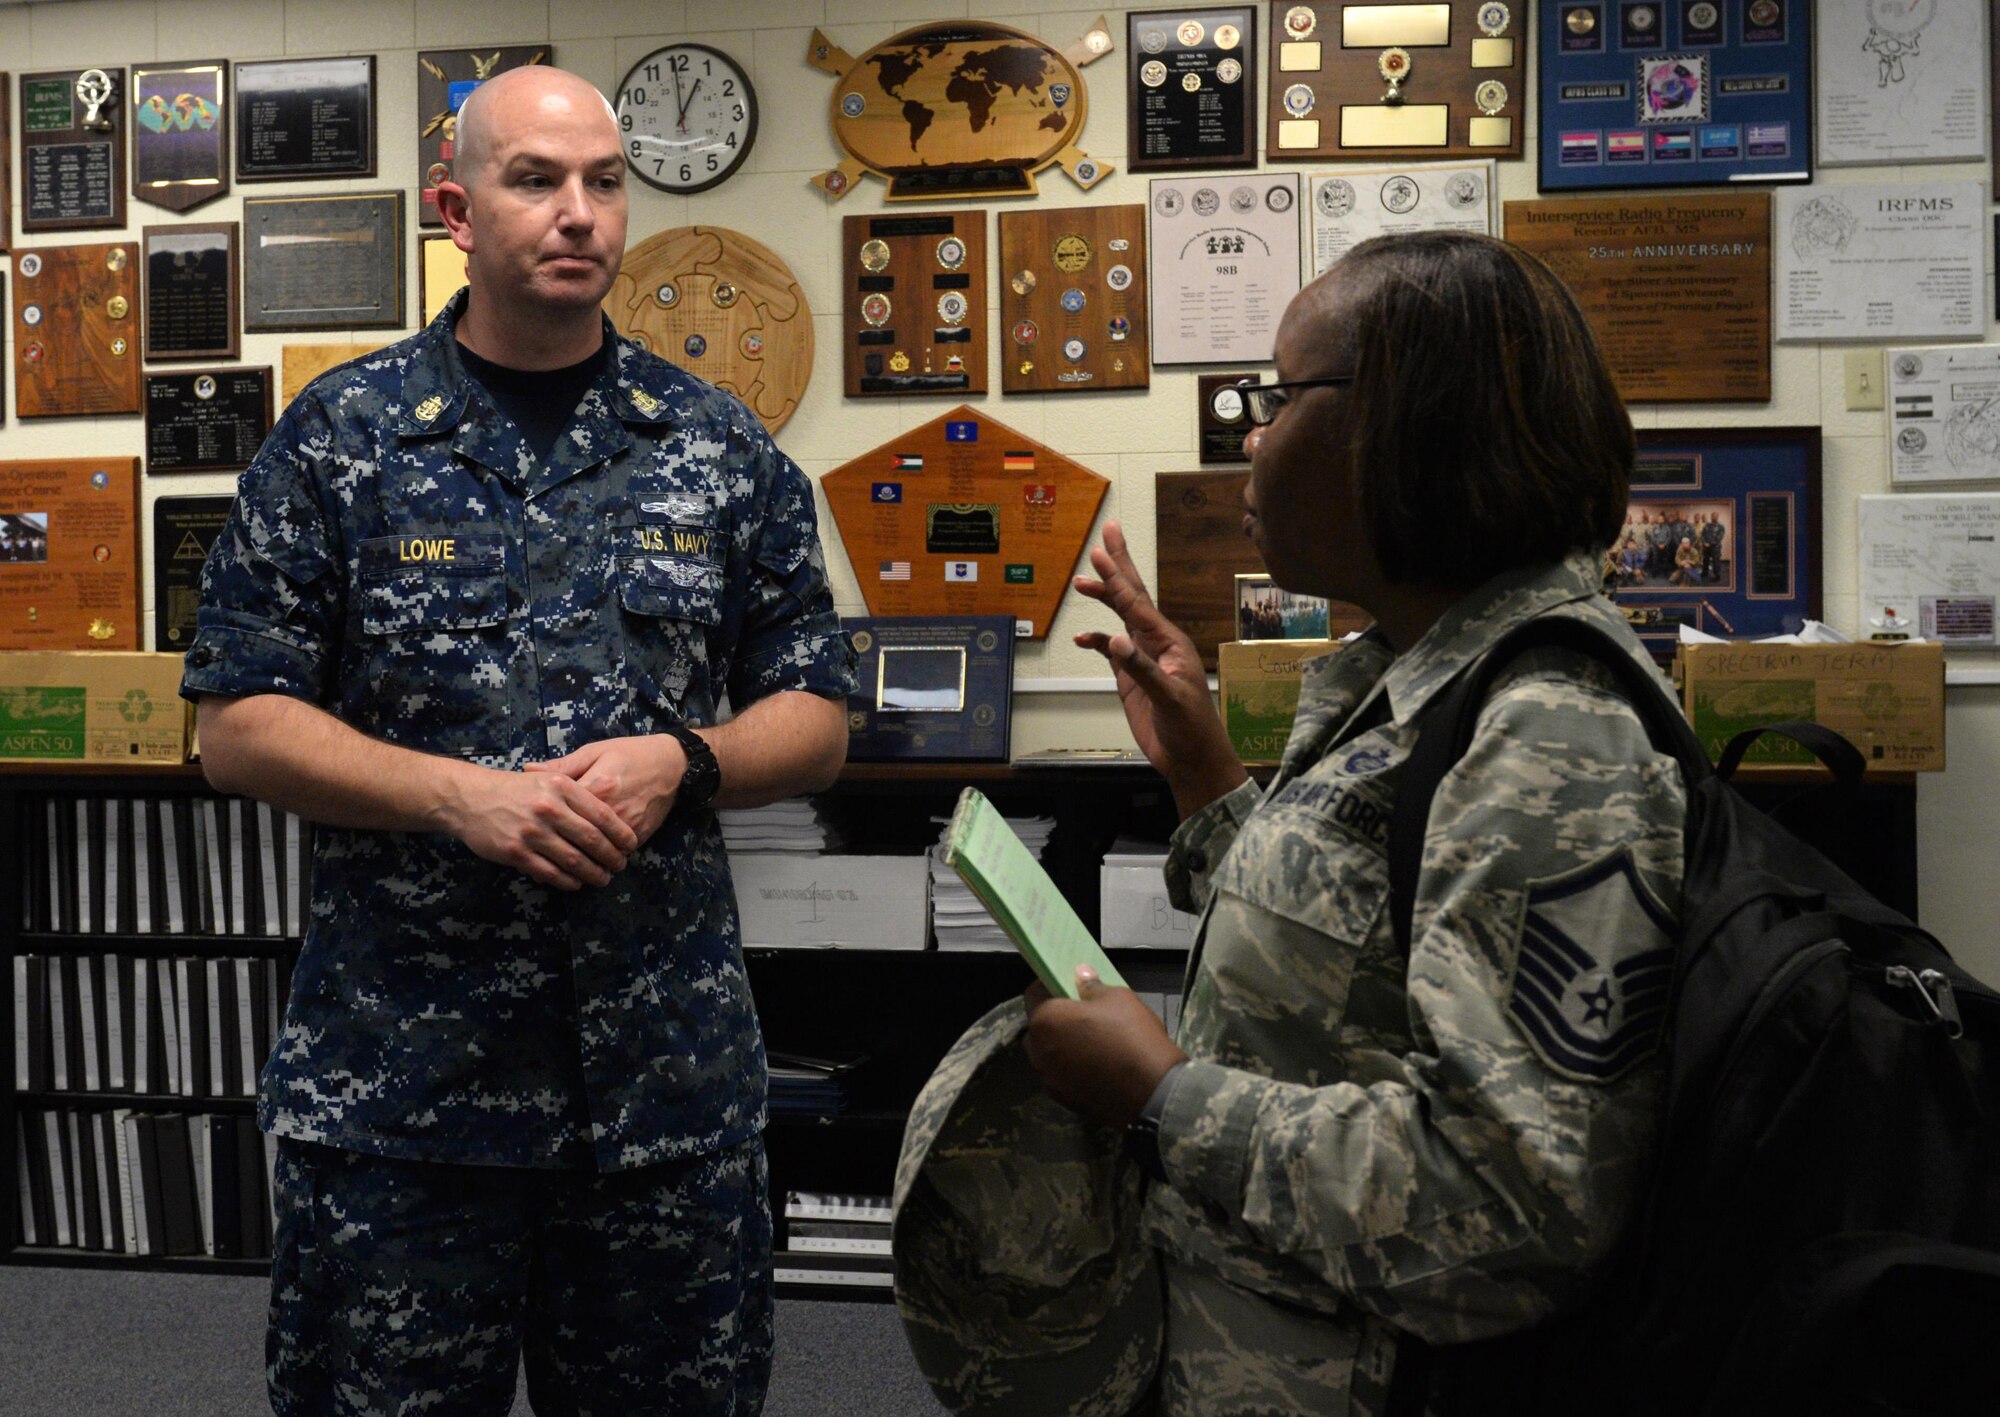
{"x":703,"y":778}
{"x":1142,"y":1136}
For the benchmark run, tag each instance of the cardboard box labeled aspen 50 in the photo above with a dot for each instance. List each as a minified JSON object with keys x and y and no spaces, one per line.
{"x":1887,"y":700}
{"x":1259,"y":682}
{"x":92,"y":706}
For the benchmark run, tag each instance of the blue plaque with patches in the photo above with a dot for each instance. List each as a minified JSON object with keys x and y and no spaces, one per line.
{"x":931,"y":687}
{"x":1675,"y":93}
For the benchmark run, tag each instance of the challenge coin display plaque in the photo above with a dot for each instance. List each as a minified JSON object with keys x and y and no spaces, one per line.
{"x":445,"y":80}
{"x":961,"y":108}
{"x":76,"y":331}
{"x":1400,"y":80}
{"x":1073,"y":300}
{"x":1191,"y":76}
{"x":965,"y":516}
{"x":917,"y":304}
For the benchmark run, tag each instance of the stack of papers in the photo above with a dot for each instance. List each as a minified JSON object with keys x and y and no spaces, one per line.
{"x":1133,"y":851}
{"x":958,"y":918}
{"x":804,"y":1086}
{"x":791,"y":825}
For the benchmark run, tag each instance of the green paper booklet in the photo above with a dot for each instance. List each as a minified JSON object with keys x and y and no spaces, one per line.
{"x":1011,"y":883}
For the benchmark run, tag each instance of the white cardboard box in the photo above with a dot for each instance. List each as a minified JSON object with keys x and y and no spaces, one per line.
{"x":1134,"y":911}
{"x":832,"y":902}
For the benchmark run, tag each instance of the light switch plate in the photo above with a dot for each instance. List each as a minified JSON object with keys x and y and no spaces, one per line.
{"x":1863,"y":379}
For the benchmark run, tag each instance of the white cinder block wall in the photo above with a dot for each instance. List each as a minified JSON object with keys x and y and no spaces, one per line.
{"x":1127,"y":437}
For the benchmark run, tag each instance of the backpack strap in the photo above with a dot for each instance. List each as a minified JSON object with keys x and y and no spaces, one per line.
{"x":1444,"y":731}
{"x":1841,"y":757}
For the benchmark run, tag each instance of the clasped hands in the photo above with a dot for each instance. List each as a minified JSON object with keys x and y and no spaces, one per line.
{"x":574,"y":821}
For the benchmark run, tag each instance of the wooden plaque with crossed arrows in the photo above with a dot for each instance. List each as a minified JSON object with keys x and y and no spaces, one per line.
{"x":445,"y":79}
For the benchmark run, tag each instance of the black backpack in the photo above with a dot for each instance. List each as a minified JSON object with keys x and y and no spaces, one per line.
{"x":1822,"y":1231}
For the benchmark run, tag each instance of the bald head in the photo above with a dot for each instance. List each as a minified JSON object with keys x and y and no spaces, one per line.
{"x":501,"y":107}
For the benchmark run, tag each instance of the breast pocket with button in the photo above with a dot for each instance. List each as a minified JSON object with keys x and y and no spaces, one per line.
{"x":670,"y":588}
{"x":433,"y":615}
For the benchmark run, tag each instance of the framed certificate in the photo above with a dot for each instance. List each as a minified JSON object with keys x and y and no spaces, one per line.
{"x":1900,"y":81}
{"x":180,"y":134}
{"x":191,"y":306}
{"x":1944,"y":412}
{"x":1192,"y":76}
{"x":1353,"y":205}
{"x":931,"y":686}
{"x":323,"y":263}
{"x":1676,"y":93}
{"x":1721,"y":534}
{"x":1882,"y":260}
{"x":305,"y":118}
{"x":1225,"y":265}
{"x":1677,"y":288}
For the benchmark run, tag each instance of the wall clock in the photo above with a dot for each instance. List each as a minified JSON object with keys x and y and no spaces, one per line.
{"x":687,"y":116}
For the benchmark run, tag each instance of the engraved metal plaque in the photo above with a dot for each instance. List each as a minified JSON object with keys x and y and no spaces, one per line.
{"x":305,"y":118}
{"x":323,"y":263}
{"x":183,"y":530}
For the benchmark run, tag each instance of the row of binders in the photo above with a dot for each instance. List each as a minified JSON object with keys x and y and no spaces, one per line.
{"x":145,"y":1183}
{"x":166,"y":865}
{"x":160,"y":1027}
{"x":836,"y":1239}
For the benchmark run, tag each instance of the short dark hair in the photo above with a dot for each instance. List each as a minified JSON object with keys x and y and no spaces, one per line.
{"x":1484,"y":431}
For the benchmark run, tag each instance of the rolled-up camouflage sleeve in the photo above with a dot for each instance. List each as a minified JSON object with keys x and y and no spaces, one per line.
{"x":272,"y":598}
{"x":1200,"y":843}
{"x":1461,"y":1154}
{"x":791,"y":637}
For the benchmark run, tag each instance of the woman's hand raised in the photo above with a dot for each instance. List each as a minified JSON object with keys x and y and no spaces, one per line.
{"x":1161,"y":683}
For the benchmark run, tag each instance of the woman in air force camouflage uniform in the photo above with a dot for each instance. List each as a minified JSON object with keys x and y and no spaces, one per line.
{"x":1351,"y":1144}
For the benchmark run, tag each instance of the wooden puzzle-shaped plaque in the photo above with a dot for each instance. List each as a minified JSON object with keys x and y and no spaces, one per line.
{"x":1073,"y":300}
{"x":1398,"y":80}
{"x":917,"y":306}
{"x":723,"y":307}
{"x":965,"y":516}
{"x":76,"y":330}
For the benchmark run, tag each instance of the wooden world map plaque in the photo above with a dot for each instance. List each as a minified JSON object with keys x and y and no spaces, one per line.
{"x":723,"y":307}
{"x":76,"y":330}
{"x":965,"y":516}
{"x":1202,"y":549}
{"x":959,"y":108}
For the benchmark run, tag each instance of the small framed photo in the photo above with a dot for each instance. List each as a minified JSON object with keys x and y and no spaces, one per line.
{"x":1721,"y":535}
{"x":1265,"y":611}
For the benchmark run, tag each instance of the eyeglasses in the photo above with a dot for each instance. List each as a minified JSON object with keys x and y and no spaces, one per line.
{"x":1262,"y":401}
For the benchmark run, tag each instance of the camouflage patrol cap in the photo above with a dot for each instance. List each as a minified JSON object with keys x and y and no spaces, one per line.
{"x":1025,"y":1286}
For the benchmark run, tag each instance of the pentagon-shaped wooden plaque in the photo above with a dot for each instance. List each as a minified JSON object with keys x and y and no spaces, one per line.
{"x":965,"y":516}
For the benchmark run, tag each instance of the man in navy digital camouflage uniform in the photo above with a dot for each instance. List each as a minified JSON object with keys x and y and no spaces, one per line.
{"x":473,"y":592}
